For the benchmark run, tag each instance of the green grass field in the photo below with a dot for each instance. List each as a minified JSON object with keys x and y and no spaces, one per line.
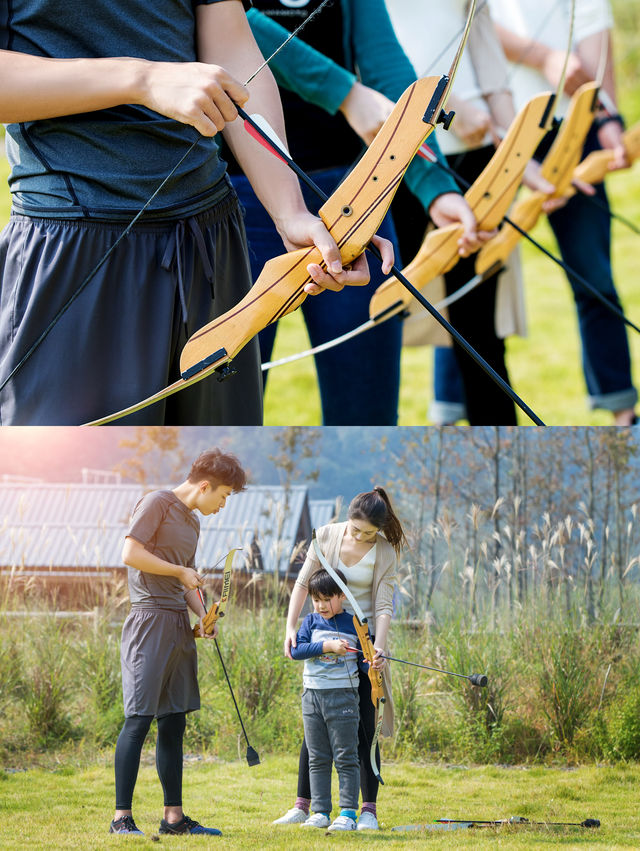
{"x":71,"y":807}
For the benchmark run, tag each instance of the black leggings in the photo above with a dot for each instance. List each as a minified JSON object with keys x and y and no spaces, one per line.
{"x":168,"y":757}
{"x":368,"y":781}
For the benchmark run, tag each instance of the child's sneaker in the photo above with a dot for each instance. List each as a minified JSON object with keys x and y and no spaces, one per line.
{"x":367,"y":821}
{"x":343,"y":823}
{"x":316,"y":820}
{"x":187,"y":825}
{"x":124,"y":824}
{"x":293,"y":816}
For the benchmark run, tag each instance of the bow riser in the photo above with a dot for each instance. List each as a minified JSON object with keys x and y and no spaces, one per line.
{"x":557,"y":168}
{"x":217,"y":610}
{"x":368,"y":651}
{"x":352,"y":215}
{"x":489,"y":197}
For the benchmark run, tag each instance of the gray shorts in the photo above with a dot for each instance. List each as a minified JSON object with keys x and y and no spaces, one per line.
{"x":159,"y":663}
{"x":120,"y":341}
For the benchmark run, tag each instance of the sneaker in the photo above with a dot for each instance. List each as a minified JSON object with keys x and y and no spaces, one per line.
{"x":293,"y":816}
{"x":367,"y":821}
{"x":343,"y":823}
{"x":316,"y":820}
{"x":124,"y":824}
{"x":187,"y":825}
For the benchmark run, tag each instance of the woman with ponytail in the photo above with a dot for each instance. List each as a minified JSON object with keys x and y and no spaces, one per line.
{"x":365,"y":548}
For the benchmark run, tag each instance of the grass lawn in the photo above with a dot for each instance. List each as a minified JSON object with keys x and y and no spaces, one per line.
{"x":71,"y":807}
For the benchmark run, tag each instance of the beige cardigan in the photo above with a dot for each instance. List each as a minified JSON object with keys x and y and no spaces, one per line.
{"x":382,"y":588}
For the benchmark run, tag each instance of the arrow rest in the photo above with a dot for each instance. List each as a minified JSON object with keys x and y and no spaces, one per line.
{"x":225,"y":372}
{"x":445,"y":118}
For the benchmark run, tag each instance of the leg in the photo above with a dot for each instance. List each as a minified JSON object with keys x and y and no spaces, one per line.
{"x":127,"y":760}
{"x":169,"y":762}
{"x":342,"y":719}
{"x":474,"y":317}
{"x":448,"y":405}
{"x":369,"y":783}
{"x":127,"y":326}
{"x":320,"y":758}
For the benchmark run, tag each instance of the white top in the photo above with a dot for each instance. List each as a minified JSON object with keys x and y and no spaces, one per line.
{"x":359,"y":581}
{"x":547,"y":22}
{"x":424,"y":29}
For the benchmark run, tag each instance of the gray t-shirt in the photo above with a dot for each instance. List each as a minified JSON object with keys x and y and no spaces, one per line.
{"x":168,"y":529}
{"x":106,"y":164}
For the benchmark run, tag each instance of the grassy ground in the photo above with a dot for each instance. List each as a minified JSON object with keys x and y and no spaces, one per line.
{"x":71,"y":807}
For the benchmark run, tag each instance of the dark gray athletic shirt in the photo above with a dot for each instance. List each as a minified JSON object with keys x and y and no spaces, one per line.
{"x":168,"y":529}
{"x":106,"y":164}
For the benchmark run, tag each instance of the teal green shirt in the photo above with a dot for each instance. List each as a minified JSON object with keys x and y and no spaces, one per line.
{"x":381,"y":64}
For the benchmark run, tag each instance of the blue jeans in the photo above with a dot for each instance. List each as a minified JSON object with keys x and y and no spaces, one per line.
{"x":583,"y":232}
{"x":448,"y":404}
{"x":359,"y":380}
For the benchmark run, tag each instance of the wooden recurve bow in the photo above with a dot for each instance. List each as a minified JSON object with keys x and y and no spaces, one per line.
{"x":352,"y":215}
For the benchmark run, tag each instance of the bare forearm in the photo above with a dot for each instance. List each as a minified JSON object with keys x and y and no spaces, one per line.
{"x":383,"y":622}
{"x":521,"y":49}
{"x":218,"y":41}
{"x":193,"y":600}
{"x":296,"y":602}
{"x":35,"y":87}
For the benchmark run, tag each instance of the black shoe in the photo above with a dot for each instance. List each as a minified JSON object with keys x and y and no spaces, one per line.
{"x":125,"y":824}
{"x":187,"y":825}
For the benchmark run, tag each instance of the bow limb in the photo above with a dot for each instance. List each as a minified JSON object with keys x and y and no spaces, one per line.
{"x":361,"y":625}
{"x":217,"y":610}
{"x":352,"y":215}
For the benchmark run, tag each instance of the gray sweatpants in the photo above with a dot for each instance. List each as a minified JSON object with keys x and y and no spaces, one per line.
{"x":331,"y":718}
{"x":120,"y":341}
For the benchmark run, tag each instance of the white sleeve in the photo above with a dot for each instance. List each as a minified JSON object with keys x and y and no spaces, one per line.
{"x":592,"y":16}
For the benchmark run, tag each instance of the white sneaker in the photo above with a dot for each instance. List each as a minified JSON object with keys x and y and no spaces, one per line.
{"x":293,"y":816}
{"x":367,"y":821}
{"x":316,"y":820}
{"x":343,"y":823}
